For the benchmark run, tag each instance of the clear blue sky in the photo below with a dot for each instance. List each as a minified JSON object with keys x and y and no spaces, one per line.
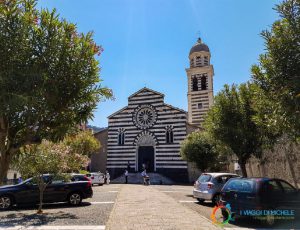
{"x":147,"y":42}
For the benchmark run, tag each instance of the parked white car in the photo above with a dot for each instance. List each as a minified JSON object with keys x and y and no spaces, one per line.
{"x":96,"y":178}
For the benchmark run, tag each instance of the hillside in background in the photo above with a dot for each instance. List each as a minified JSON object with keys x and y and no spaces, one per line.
{"x":95,"y":129}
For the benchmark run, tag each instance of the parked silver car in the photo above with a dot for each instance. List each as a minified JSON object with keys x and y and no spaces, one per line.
{"x":209,"y":185}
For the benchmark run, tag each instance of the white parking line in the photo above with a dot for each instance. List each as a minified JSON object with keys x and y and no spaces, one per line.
{"x":102,"y":202}
{"x":188,"y":201}
{"x":112,"y":191}
{"x":49,"y":227}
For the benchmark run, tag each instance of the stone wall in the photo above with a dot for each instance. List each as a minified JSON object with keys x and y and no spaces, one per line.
{"x":193,"y":171}
{"x":282,"y":162}
{"x":98,"y":159}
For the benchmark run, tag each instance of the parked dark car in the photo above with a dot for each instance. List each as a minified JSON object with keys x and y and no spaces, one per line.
{"x":79,"y":177}
{"x":27,"y":192}
{"x":258,"y":194}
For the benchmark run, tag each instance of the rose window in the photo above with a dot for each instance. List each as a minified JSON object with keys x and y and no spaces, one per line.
{"x":145,"y":116}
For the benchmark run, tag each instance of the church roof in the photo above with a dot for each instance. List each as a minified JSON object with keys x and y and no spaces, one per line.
{"x":120,"y":110}
{"x":173,"y":107}
{"x":199,"y":46}
{"x":145,"y":89}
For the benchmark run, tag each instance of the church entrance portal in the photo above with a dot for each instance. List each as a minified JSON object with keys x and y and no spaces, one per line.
{"x":146,"y":158}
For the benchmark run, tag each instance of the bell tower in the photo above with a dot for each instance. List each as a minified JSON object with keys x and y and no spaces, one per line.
{"x":200,"y":83}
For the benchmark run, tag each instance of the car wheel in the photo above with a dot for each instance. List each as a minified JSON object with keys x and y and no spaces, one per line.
{"x":5,"y":202}
{"x":225,"y":215}
{"x":216,"y":199}
{"x":75,"y":198}
{"x":201,"y":201}
{"x":100,"y":184}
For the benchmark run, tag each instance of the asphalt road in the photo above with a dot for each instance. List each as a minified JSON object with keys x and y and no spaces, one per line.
{"x":183,"y":194}
{"x":93,"y":211}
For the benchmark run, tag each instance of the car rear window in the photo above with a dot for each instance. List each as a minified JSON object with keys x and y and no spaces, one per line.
{"x":239,"y":185}
{"x":204,"y":178}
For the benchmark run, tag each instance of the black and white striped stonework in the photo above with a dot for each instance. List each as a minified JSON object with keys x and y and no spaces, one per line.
{"x":199,"y":97}
{"x":164,"y":119}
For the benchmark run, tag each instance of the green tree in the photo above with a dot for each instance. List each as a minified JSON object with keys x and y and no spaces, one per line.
{"x":198,"y":148}
{"x":55,"y":158}
{"x":230,"y":122}
{"x":49,"y":77}
{"x":278,"y":71}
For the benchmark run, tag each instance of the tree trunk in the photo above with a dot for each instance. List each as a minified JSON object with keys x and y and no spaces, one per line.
{"x":289,"y":154}
{"x":41,"y":189}
{"x":243,"y":167}
{"x":4,"y":166}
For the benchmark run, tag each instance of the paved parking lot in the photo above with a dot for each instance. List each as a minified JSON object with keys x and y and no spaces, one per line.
{"x":93,"y":212}
{"x":98,"y":212}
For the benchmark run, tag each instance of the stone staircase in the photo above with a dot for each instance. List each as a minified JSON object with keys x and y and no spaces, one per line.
{"x":136,"y":178}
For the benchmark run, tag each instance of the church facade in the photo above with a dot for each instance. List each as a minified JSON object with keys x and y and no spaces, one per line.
{"x":147,"y":133}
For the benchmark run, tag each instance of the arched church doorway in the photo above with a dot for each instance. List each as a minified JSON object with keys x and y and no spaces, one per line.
{"x":145,"y":151}
{"x":146,"y":158}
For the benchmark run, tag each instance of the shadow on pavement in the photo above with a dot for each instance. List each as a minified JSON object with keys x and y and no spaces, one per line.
{"x":189,"y":195}
{"x":24,"y":219}
{"x":207,"y":204}
{"x":48,"y":206}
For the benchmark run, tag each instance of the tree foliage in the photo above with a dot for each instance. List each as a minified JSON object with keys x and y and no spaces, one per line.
{"x":49,"y":77}
{"x":36,"y":160}
{"x":68,"y":155}
{"x":278,"y":71}
{"x":230,"y":122}
{"x":83,"y":143}
{"x":198,"y":148}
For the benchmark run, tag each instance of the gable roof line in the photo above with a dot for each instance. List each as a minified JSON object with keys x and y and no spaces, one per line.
{"x":151,"y":90}
{"x":120,"y":110}
{"x":173,"y":107}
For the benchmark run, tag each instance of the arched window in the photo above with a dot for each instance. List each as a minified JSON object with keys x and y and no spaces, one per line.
{"x":192,"y":62}
{"x":198,"y":61}
{"x":203,"y":83}
{"x":195,"y":84}
{"x":121,"y":137}
{"x":205,"y":60}
{"x":169,"y":135}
